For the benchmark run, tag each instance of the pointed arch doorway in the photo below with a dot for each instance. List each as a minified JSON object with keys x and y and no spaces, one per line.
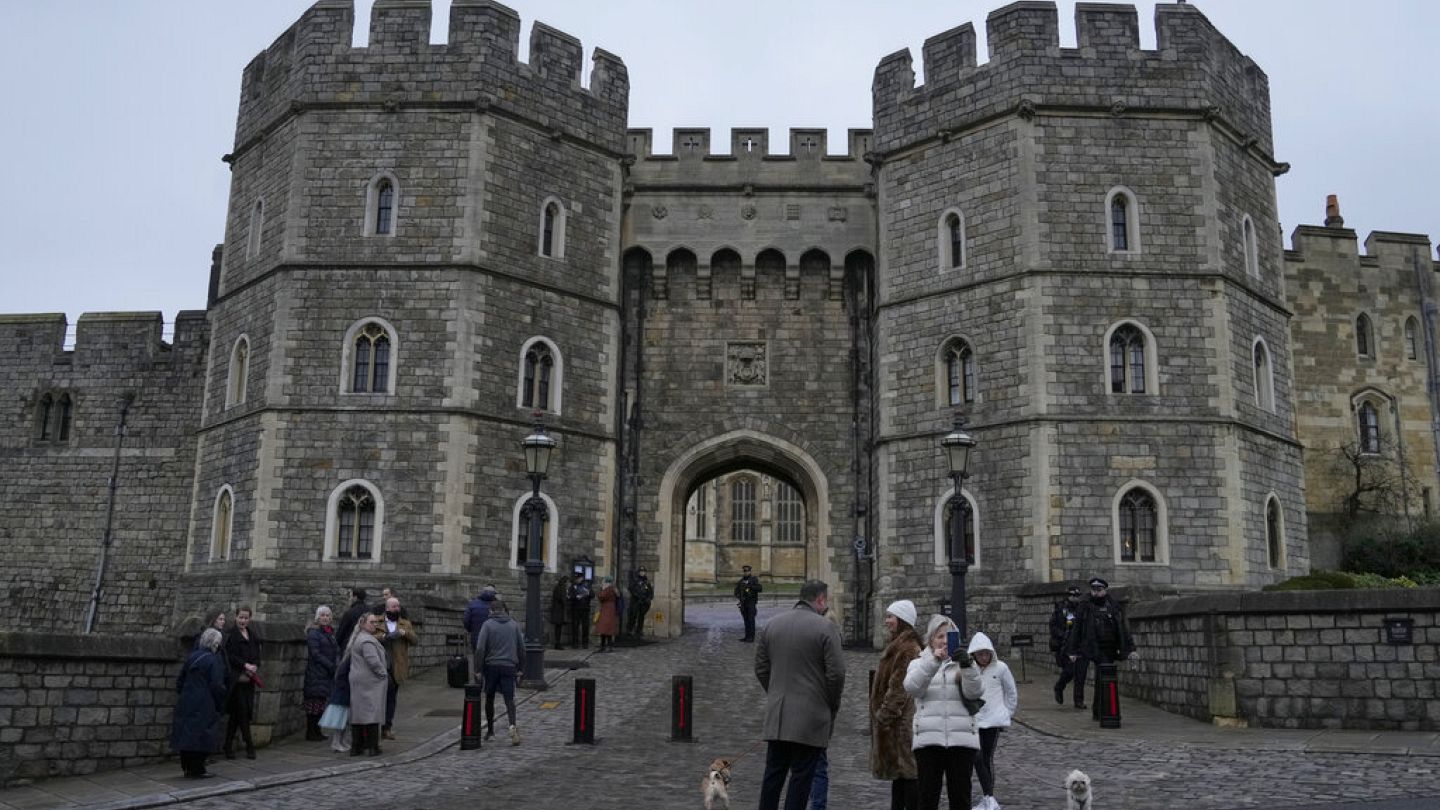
{"x":733,"y":453}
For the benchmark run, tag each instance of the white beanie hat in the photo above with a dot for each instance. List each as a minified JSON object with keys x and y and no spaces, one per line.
{"x":904,"y":610}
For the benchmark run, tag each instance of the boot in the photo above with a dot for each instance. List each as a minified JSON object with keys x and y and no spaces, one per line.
{"x":373,"y":737}
{"x":230,"y":731}
{"x":249,"y":743}
{"x":312,"y":728}
{"x":358,"y":742}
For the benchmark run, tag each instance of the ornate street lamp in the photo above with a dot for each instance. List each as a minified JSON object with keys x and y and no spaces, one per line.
{"x":957,"y":445}
{"x":539,"y":446}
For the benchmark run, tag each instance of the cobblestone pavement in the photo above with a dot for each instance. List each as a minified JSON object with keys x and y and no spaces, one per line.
{"x":635,"y":767}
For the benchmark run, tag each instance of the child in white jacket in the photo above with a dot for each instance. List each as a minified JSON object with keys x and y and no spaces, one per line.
{"x":1001,"y":698}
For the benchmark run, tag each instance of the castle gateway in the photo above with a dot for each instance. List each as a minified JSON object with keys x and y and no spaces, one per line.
{"x":748,"y":352}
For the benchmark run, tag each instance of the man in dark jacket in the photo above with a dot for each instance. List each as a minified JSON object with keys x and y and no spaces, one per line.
{"x":747,"y":595}
{"x":580,"y":596}
{"x":352,"y":615}
{"x":642,"y":592}
{"x":1100,"y":636}
{"x":560,"y":610}
{"x":799,"y":665}
{"x":1062,"y":618}
{"x":475,"y":615}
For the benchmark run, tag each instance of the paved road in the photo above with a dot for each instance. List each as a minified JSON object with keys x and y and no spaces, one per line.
{"x":635,"y":767}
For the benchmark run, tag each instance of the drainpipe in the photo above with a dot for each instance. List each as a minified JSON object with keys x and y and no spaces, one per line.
{"x":98,"y":591}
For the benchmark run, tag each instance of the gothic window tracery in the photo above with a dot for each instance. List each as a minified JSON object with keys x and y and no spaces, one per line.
{"x":742,"y":510}
{"x":355,"y":519}
{"x":1129,"y":360}
{"x":1138,"y":518}
{"x":371,"y":360}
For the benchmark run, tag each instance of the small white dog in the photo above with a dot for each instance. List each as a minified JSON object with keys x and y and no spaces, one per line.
{"x":1077,"y":791}
{"x":712,"y":787}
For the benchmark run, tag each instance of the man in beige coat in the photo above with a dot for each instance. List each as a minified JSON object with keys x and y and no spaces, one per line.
{"x":800,"y":667}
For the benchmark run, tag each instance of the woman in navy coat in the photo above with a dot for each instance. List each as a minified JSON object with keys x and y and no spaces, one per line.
{"x":196,"y":724}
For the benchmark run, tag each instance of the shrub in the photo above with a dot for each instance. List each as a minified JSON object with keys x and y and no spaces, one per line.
{"x":1395,"y":552}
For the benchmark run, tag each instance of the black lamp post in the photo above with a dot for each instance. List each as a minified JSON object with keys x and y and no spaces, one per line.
{"x":957,"y":445}
{"x":538,"y":446}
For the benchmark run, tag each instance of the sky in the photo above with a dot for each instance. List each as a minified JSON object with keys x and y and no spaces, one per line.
{"x":116,"y":112}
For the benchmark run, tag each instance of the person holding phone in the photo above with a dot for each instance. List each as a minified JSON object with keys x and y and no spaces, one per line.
{"x":1001,"y":699}
{"x":946,"y":736}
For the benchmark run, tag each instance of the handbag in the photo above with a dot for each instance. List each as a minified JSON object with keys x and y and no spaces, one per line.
{"x":335,"y":718}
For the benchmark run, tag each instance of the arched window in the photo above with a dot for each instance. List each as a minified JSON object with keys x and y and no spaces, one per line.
{"x":552,"y":229}
{"x":1132,"y":364}
{"x":222,"y":524}
{"x":1122,"y":221}
{"x":382,"y":211}
{"x":541,"y":376}
{"x":1264,"y":377}
{"x":969,"y":528}
{"x":1139,"y":526}
{"x":957,"y":373}
{"x":1412,"y":340}
{"x":43,"y":414}
{"x":239,"y":372}
{"x":355,"y":518}
{"x":549,"y":550}
{"x":62,"y":430}
{"x":372,"y":360}
{"x":742,"y":510}
{"x":1369,"y":424}
{"x":1364,"y":336}
{"x":1252,"y":253}
{"x":1274,"y":532}
{"x":951,"y":240}
{"x":789,"y":515}
{"x":252,"y":234}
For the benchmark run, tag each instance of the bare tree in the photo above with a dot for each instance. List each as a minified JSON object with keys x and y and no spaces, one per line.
{"x":1377,"y":484}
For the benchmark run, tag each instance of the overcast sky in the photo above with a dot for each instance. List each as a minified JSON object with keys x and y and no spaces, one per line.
{"x":116,"y":112}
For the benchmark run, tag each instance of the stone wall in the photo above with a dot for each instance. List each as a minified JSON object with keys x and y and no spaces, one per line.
{"x":77,"y":704}
{"x":1303,"y":659}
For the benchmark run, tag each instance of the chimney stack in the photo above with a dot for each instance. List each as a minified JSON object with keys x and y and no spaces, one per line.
{"x":1332,"y":212}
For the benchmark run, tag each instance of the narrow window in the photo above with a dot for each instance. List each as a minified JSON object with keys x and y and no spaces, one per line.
{"x":1364,"y":345}
{"x":742,"y":510}
{"x":1273,"y":536}
{"x":239,"y":372}
{"x":223,"y":509}
{"x":43,"y":415}
{"x":702,"y":509}
{"x":62,"y":430}
{"x":1127,"y":360}
{"x":1137,"y":526}
{"x":1369,"y":428}
{"x":967,"y":528}
{"x":1412,"y":348}
{"x":1264,"y":380}
{"x":956,"y":236}
{"x":252,"y":235}
{"x":384,"y":207}
{"x":1119,"y":223}
{"x":522,"y":538}
{"x":790,"y":514}
{"x":959,"y":373}
{"x":1252,"y":255}
{"x":539,"y":365}
{"x":547,"y":238}
{"x":371,"y":369}
{"x":356,"y":520}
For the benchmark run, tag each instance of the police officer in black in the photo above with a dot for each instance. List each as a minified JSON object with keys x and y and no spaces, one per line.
{"x":747,"y":592}
{"x":641,"y":593}
{"x":1100,"y":635}
{"x":1062,"y":618}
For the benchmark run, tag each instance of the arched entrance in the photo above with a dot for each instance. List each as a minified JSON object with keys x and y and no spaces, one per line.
{"x":734,"y":451}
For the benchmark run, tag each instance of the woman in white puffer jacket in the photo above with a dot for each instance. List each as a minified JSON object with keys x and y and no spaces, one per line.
{"x":946,"y":735}
{"x":1001,"y":699}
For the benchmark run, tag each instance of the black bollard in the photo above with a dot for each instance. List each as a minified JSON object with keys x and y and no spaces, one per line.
{"x":682,"y":705}
{"x":472,"y":727}
{"x":1107,"y":695}
{"x":584,"y":711}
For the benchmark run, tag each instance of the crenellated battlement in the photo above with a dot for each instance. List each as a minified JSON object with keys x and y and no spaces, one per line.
{"x":750,"y":158}
{"x":313,"y":63}
{"x":1193,"y":68}
{"x":103,"y":337}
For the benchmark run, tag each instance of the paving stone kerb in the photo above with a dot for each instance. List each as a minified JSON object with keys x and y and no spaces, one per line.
{"x":1301,"y":659}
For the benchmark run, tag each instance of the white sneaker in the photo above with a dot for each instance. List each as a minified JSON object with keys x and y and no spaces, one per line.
{"x":514,"y":736}
{"x":991,"y":804}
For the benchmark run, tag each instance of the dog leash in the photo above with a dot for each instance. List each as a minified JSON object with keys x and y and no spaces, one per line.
{"x":747,"y":753}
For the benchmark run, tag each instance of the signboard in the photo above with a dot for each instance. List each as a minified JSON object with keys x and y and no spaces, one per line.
{"x":1022,"y":640}
{"x":456,"y":639}
{"x":1399,"y":630}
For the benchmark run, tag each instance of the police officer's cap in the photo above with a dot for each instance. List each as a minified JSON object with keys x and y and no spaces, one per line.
{"x":744,"y":568}
{"x":1073,"y":590}
{"x":1097,"y":582}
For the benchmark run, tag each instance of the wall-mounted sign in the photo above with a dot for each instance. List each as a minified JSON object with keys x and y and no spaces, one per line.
{"x":1399,"y":630}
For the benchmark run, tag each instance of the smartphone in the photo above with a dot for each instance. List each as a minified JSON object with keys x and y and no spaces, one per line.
{"x":952,"y":642}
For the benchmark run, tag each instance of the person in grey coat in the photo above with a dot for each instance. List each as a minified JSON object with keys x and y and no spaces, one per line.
{"x":498,"y":651}
{"x":368,"y":681}
{"x":195,"y":727}
{"x":800,"y":667}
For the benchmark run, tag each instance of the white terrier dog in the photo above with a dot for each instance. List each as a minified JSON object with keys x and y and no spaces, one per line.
{"x":1077,"y":791}
{"x":712,"y":787}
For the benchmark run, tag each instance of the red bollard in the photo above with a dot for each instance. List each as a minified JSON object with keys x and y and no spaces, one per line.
{"x":472,"y":725}
{"x":584,"y":711}
{"x":1107,"y":695}
{"x":682,"y":708}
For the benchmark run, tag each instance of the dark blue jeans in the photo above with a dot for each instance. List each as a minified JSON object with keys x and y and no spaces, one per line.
{"x":796,"y":761}
{"x":820,"y":787}
{"x":392,"y":691}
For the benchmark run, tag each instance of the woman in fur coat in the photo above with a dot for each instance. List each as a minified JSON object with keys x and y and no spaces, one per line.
{"x":946,"y":733}
{"x":892,"y":709}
